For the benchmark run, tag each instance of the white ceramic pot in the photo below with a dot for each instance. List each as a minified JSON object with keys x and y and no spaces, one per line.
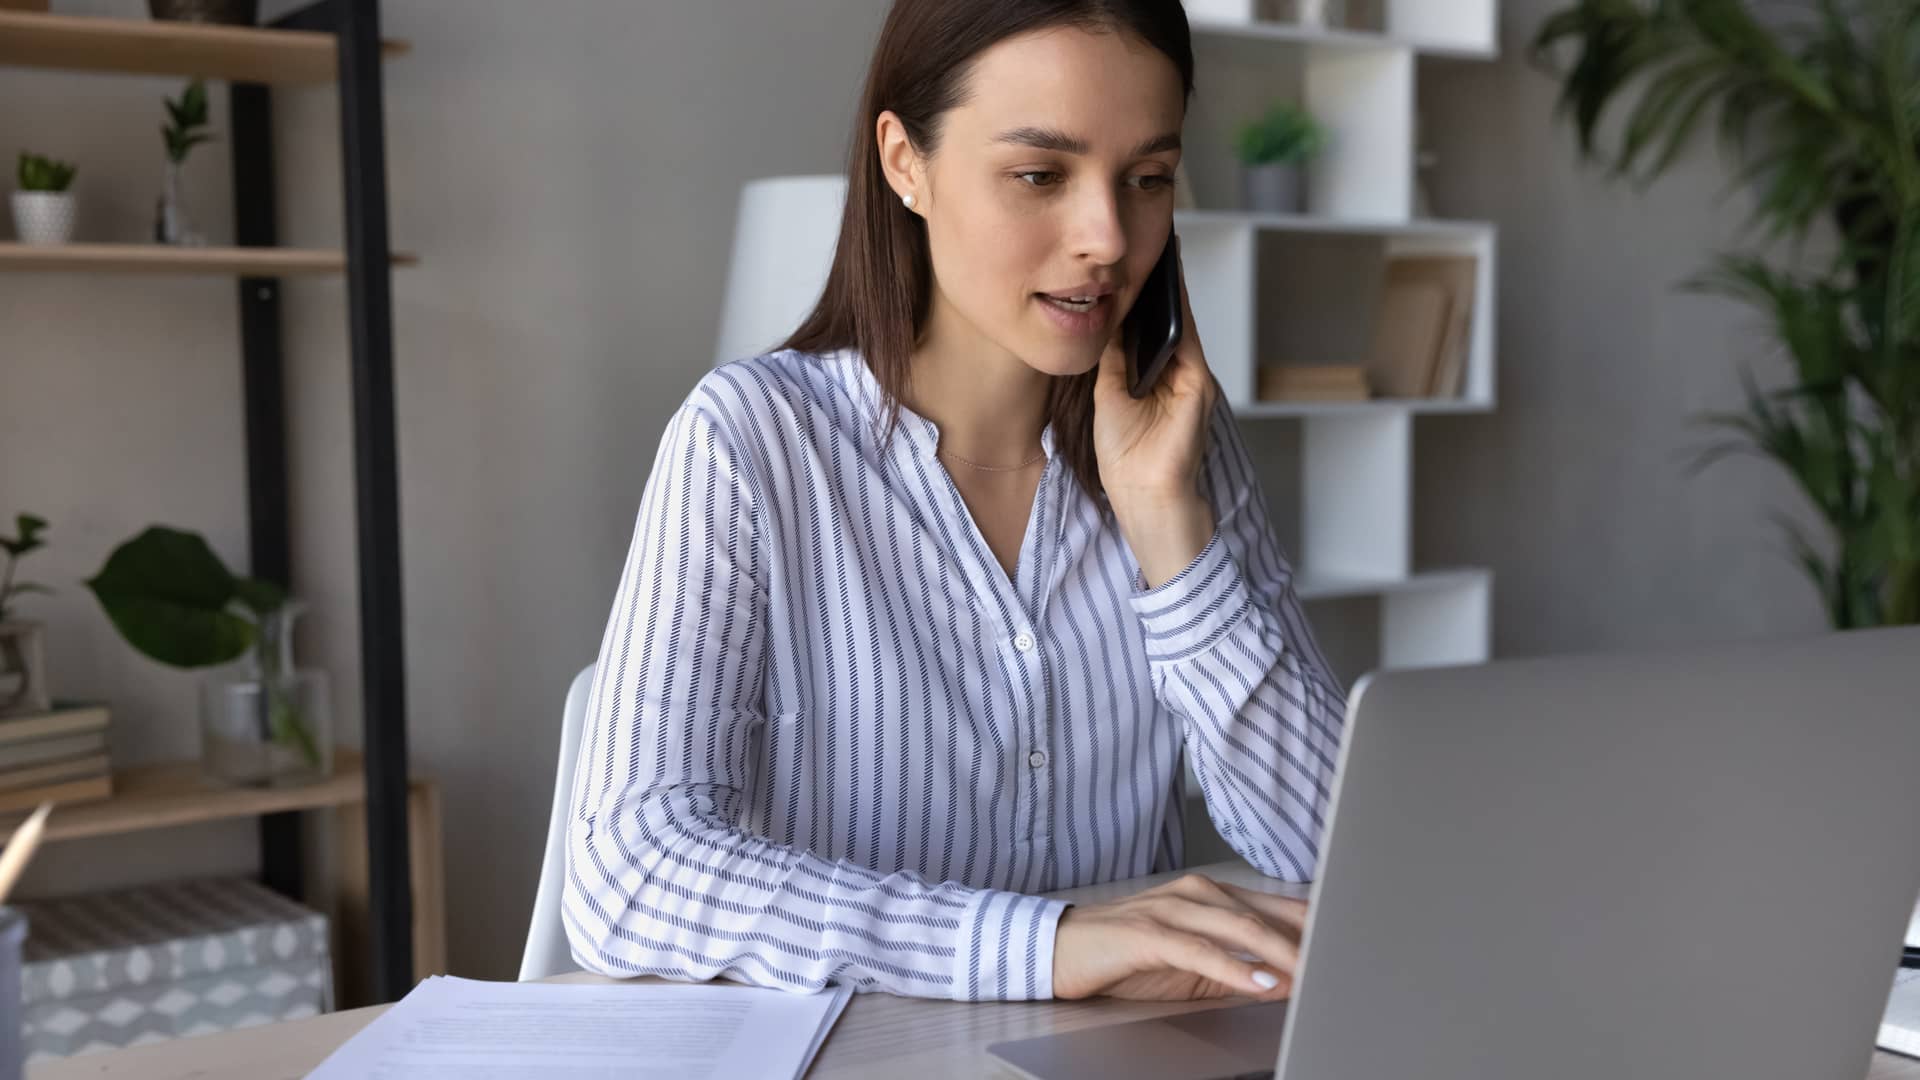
{"x":44,"y":217}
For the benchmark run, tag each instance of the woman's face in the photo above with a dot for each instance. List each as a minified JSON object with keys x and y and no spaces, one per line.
{"x":1054,"y":177}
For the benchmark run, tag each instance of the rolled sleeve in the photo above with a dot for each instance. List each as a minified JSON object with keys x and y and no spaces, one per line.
{"x":1191,"y":611}
{"x":1006,"y":947}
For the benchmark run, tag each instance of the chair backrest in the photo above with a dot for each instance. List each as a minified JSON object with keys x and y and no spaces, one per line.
{"x":548,"y":952}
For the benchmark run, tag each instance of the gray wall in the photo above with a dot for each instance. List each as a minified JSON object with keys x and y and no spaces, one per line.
{"x":567,"y":172}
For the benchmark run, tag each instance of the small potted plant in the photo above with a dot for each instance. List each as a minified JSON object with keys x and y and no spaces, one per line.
{"x":171,"y":598}
{"x":23,"y":673}
{"x":43,"y":208}
{"x":184,"y":130}
{"x":1273,"y":150}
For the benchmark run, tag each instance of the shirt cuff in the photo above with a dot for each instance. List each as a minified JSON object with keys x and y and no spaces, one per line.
{"x":1189,"y":612}
{"x":1005,"y":951}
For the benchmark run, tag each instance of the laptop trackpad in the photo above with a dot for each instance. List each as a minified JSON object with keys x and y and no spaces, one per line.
{"x":1216,"y":1042}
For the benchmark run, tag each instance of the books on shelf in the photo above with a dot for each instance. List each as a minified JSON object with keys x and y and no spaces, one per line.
{"x":58,"y":756}
{"x":1422,"y":331}
{"x":1313,"y":382}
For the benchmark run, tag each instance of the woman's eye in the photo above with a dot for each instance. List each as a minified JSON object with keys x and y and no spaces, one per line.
{"x":1146,"y":183}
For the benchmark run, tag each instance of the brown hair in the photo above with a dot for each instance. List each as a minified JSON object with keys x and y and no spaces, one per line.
{"x":878,"y":290}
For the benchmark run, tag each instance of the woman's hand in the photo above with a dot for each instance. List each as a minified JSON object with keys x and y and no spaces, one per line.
{"x":1179,"y":942}
{"x":1150,"y":451}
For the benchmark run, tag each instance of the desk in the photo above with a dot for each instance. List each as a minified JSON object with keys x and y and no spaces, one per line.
{"x":879,"y":1036}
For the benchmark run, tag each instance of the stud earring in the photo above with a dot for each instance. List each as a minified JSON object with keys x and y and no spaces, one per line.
{"x":907,"y":201}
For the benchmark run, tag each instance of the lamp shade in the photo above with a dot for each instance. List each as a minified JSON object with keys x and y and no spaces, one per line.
{"x":783,"y":241}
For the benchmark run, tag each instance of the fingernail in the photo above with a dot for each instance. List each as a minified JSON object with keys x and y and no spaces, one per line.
{"x":1265,"y":980}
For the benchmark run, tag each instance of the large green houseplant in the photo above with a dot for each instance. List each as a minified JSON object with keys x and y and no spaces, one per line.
{"x":1817,"y":104}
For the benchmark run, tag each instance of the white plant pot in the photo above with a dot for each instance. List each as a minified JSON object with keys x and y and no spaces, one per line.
{"x":44,"y":217}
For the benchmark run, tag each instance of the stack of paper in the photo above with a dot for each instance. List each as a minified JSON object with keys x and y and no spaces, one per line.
{"x":448,"y":1028}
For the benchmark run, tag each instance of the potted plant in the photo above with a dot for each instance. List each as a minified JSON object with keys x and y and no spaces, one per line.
{"x":1817,"y":113}
{"x":43,"y":208}
{"x":186,"y":119}
{"x":171,"y":598}
{"x":23,"y":674}
{"x":1273,"y":149}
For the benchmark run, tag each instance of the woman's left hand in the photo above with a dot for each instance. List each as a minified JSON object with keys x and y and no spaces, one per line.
{"x":1150,"y":449}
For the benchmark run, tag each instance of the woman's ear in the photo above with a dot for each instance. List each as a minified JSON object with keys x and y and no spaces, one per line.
{"x":899,"y":162}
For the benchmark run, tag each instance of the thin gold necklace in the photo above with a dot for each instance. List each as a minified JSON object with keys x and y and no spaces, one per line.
{"x":994,"y":468}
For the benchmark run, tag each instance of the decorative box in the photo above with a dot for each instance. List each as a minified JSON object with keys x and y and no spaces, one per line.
{"x":184,"y":958}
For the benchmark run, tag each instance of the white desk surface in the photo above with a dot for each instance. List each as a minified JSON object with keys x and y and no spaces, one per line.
{"x":879,"y":1036}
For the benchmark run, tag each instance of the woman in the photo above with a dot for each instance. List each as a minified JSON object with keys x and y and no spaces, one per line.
{"x":923,"y":608}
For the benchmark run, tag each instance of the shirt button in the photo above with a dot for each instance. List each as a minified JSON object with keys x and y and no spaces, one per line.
{"x":1024,"y":642}
{"x":1037,"y":758}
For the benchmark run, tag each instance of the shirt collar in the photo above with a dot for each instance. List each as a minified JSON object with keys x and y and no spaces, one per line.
{"x":922,"y":433}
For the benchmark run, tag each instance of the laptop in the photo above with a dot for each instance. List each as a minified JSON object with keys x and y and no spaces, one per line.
{"x":1689,"y":863}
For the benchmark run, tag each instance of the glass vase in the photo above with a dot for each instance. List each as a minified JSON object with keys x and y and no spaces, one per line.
{"x":270,"y":723}
{"x":171,"y":225}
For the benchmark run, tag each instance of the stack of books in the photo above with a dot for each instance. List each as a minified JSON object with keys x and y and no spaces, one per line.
{"x":58,"y":756}
{"x":1313,"y":382}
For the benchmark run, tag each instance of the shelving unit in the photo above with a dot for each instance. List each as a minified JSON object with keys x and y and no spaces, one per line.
{"x":178,"y":793}
{"x":1303,"y":287}
{"x":328,"y":42}
{"x":1270,"y":288}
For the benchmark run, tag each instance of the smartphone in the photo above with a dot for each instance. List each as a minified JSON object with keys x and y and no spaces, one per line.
{"x":1153,"y":327}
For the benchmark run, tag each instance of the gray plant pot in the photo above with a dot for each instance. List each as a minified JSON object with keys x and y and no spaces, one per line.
{"x":1273,"y":188}
{"x":44,"y":217}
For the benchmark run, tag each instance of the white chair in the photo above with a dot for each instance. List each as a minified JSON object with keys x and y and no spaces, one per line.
{"x":548,"y":952}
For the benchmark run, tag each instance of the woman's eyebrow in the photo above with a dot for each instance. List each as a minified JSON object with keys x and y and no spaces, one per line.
{"x":1046,"y":138}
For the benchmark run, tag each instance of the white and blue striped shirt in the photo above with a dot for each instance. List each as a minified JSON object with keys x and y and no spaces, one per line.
{"x":830,"y":739}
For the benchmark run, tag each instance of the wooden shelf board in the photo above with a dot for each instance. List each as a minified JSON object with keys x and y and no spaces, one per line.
{"x":154,"y":47}
{"x":162,"y":258}
{"x":160,"y":796}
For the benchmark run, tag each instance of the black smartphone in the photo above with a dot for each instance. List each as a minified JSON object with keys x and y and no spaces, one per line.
{"x":1153,"y":327}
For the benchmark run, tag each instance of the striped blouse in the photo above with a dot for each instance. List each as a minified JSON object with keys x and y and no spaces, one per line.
{"x":830,"y":739}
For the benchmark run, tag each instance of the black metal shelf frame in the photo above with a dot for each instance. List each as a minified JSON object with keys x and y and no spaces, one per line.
{"x":356,"y":26}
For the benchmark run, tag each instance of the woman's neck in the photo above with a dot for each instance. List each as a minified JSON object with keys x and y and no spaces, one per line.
{"x":990,"y":406}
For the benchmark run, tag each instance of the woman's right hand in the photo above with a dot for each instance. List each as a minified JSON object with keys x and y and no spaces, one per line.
{"x":1180,"y":942}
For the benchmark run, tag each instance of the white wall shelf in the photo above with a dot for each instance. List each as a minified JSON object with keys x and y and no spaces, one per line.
{"x":1330,"y":38}
{"x":1305,"y":288}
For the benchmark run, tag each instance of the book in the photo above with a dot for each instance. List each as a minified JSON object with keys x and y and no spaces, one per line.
{"x":59,"y":747}
{"x":71,"y":791}
{"x":1421,"y":327}
{"x":65,"y":719}
{"x":1313,"y":382}
{"x":53,"y":772}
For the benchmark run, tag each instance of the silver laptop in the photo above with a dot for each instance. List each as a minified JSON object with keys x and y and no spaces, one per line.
{"x":1683,"y":864}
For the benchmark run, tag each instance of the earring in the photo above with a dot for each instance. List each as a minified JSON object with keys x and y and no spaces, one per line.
{"x":907,"y":201}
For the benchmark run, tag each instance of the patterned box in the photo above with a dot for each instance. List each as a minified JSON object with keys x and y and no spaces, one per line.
{"x":185,"y":958}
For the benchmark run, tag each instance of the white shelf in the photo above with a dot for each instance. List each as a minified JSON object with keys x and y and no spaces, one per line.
{"x":1316,"y":36}
{"x":1282,"y":410}
{"x":1328,"y":224}
{"x":1311,"y":586}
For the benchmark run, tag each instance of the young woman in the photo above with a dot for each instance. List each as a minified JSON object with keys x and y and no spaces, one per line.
{"x":923,"y":609}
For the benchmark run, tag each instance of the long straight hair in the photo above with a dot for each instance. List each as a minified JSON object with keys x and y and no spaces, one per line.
{"x":879,"y":288}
